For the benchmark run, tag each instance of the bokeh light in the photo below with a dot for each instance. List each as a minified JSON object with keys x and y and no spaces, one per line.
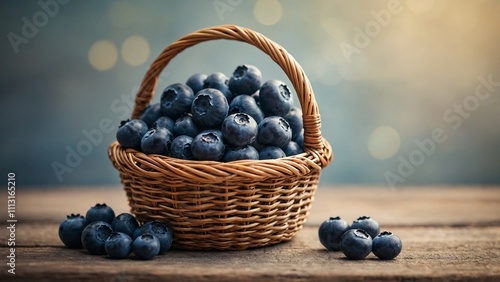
{"x":268,"y":12}
{"x":383,"y":142}
{"x":103,"y":55}
{"x":135,"y":50}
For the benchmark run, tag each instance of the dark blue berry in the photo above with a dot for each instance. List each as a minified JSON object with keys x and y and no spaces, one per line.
{"x":70,"y":230}
{"x":151,"y":114}
{"x":292,"y":149}
{"x":157,"y":141}
{"x":130,"y":133}
{"x":275,"y":98}
{"x":246,"y":104}
{"x":247,"y":152}
{"x":246,"y":79}
{"x":330,"y":232}
{"x":386,"y":245}
{"x":368,"y":224}
{"x":94,"y":237}
{"x":356,"y":244}
{"x":164,"y":122}
{"x":161,"y":231}
{"x":271,"y":152}
{"x":208,"y":145}
{"x":185,"y":125}
{"x":125,"y":223}
{"x":274,"y":131}
{"x":100,"y":212}
{"x":118,"y":245}
{"x":181,"y":147}
{"x":294,"y":119}
{"x":146,"y":246}
{"x":239,"y":129}
{"x":300,"y":139}
{"x":195,"y":82}
{"x":220,"y":82}
{"x":209,"y":108}
{"x":176,"y":100}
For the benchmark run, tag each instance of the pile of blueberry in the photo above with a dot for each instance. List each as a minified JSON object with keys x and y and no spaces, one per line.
{"x":213,"y":117}
{"x":101,"y":233}
{"x":355,"y":241}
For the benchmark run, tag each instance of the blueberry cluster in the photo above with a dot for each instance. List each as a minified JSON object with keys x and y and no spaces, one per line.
{"x":100,"y":232}
{"x":213,"y":117}
{"x":360,"y":238}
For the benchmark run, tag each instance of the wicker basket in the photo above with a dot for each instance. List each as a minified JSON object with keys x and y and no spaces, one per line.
{"x":226,"y":206}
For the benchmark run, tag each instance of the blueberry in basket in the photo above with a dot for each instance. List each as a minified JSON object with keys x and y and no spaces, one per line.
{"x":220,"y":82}
{"x":176,"y":100}
{"x":294,"y":119}
{"x":208,"y":145}
{"x":151,"y":114}
{"x":157,"y":141}
{"x":209,"y":108}
{"x":239,"y":129}
{"x":246,"y":79}
{"x":275,"y":98}
{"x":292,"y":149}
{"x":181,"y":147}
{"x":185,"y":125}
{"x":274,"y":131}
{"x":246,"y":152}
{"x":246,"y":104}
{"x":130,"y":133}
{"x":195,"y":82}
{"x":271,"y":152}
{"x":164,"y":122}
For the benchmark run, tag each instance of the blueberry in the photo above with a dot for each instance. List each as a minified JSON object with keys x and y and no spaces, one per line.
{"x":386,"y":245}
{"x":151,"y":114}
{"x":161,"y":231}
{"x":181,"y":147}
{"x":300,"y":139}
{"x":185,"y":125}
{"x":356,"y":244}
{"x":239,"y":129}
{"x":294,"y":119}
{"x":368,"y":224}
{"x":330,"y":232}
{"x":157,"y":141}
{"x":220,"y":82}
{"x":274,"y":131}
{"x":195,"y":82}
{"x":292,"y":149}
{"x":164,"y":122}
{"x":70,"y":230}
{"x":271,"y":152}
{"x":146,"y":246}
{"x":94,"y":237}
{"x":275,"y":98}
{"x":125,"y":223}
{"x":176,"y":100}
{"x":246,"y":104}
{"x":209,"y":108}
{"x":130,"y":133}
{"x":100,"y":212}
{"x":246,"y":79}
{"x":208,"y":145}
{"x":247,"y":152}
{"x":118,"y":245}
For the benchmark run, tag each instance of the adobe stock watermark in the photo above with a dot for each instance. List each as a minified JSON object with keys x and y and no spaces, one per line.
{"x":363,"y":37}
{"x":223,"y":6}
{"x":31,"y":26}
{"x":454,"y":117}
{"x":94,"y":137}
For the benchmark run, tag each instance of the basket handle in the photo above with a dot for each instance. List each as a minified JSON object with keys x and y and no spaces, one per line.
{"x":311,"y":117}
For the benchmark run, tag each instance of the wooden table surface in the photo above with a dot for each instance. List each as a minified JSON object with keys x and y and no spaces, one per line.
{"x":448,"y":233}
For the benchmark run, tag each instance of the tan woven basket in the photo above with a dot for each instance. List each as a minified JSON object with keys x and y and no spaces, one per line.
{"x":226,"y":206}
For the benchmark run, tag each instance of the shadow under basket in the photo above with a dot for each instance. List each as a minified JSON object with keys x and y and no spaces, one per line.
{"x":236,"y":205}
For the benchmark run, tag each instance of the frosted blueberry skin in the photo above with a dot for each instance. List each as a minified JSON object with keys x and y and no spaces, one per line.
{"x":146,"y":246}
{"x":368,"y":224}
{"x":274,"y":131}
{"x":220,"y":82}
{"x":195,"y":82}
{"x":330,"y":232}
{"x":118,"y":245}
{"x":209,"y":108}
{"x":94,"y":237}
{"x":70,"y":230}
{"x":161,"y":231}
{"x":181,"y":147}
{"x":164,"y":122}
{"x":246,"y":104}
{"x":294,"y":119}
{"x":151,"y":114}
{"x":208,"y":145}
{"x":185,"y":125}
{"x":247,"y":152}
{"x":246,"y":79}
{"x":157,"y":141}
{"x":125,"y":223}
{"x":100,"y":212}
{"x":239,"y":129}
{"x":176,"y":100}
{"x":271,"y":152}
{"x":292,"y":149}
{"x":386,"y":245}
{"x":356,"y":244}
{"x":275,"y":98}
{"x":130,"y":133}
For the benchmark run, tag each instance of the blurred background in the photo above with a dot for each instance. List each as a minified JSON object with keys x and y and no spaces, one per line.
{"x":409,"y":90}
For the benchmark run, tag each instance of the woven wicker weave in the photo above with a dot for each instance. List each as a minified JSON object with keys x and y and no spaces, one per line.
{"x":226,"y":206}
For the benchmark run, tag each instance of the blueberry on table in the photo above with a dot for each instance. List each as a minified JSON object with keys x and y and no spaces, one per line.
{"x":100,"y":212}
{"x":330,"y":232}
{"x":70,"y":230}
{"x":209,"y":108}
{"x":118,"y":245}
{"x":94,"y":237}
{"x":368,"y":224}
{"x":146,"y":246}
{"x":181,"y":147}
{"x":151,"y":114}
{"x":195,"y":82}
{"x":176,"y":100}
{"x":161,"y":231}
{"x":185,"y":125}
{"x":220,"y":82}
{"x":274,"y":131}
{"x":247,"y":152}
{"x":208,"y":145}
{"x":275,"y":98}
{"x":386,"y":245}
{"x":292,"y":149}
{"x":125,"y":223}
{"x":164,"y":122}
{"x":271,"y":152}
{"x":157,"y":141}
{"x":239,"y":129}
{"x":246,"y":104}
{"x":130,"y":133}
{"x":246,"y":79}
{"x":356,"y":244}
